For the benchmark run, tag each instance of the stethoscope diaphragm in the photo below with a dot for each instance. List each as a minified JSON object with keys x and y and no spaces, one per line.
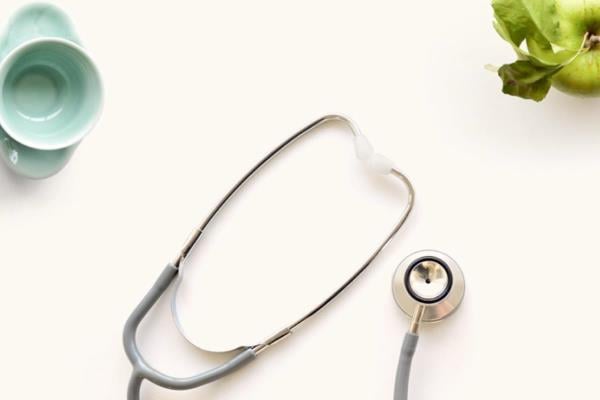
{"x":428,"y":281}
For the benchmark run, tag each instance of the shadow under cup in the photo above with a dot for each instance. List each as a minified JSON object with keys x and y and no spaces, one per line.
{"x":50,"y":94}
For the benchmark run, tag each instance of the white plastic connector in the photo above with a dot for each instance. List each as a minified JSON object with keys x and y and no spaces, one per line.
{"x":374,"y":162}
{"x":380,"y":164}
{"x":363,"y":148}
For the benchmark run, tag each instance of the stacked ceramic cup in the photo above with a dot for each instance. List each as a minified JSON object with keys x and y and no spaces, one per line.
{"x":50,"y":92}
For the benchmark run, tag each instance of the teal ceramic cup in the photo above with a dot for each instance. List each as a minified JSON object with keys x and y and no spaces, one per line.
{"x":50,"y":92}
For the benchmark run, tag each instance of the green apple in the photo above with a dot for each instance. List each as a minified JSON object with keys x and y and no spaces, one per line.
{"x":580,"y":18}
{"x":582,"y":76}
{"x":557,"y":44}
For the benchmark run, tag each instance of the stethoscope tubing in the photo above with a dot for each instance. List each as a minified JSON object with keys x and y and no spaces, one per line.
{"x":409,"y":347}
{"x":143,"y":371}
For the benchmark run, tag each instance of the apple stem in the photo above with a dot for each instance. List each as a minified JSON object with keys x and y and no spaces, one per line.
{"x":593,"y":40}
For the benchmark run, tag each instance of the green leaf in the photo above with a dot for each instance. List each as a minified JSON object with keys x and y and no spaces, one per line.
{"x":531,"y":80}
{"x":527,"y":18}
{"x":544,"y":14}
{"x":526,"y":80}
{"x":534,"y":22}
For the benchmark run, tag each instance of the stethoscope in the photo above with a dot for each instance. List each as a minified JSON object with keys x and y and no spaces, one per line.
{"x":246,"y":353}
{"x":428,"y":286}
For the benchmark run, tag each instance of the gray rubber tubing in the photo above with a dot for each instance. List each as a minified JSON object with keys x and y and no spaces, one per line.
{"x":142,"y":371}
{"x":403,"y":372}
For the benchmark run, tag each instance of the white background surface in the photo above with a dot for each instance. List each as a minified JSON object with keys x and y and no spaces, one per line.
{"x":198,"y":91}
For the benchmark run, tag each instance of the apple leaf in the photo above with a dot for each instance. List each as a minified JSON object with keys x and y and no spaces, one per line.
{"x":528,"y":19}
{"x":526,"y":80}
{"x":534,"y":23}
{"x":544,"y":14}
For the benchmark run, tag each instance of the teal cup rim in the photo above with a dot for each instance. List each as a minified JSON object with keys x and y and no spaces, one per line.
{"x":74,"y":139}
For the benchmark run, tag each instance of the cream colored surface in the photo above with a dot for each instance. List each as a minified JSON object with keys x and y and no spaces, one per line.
{"x":197,"y":91}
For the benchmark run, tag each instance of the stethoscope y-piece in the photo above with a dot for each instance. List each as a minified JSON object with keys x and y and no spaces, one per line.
{"x":428,"y":286}
{"x":143,"y":371}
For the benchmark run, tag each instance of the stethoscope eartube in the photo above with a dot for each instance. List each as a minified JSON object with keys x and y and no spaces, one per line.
{"x":142,"y":371}
{"x":428,"y":286}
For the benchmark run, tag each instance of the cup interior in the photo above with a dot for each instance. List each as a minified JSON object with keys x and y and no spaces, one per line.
{"x":50,"y":94}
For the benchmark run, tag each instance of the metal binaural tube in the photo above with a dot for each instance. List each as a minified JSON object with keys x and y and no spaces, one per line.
{"x":354,"y":131}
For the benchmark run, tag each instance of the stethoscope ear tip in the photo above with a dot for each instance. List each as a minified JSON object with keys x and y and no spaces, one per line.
{"x":430,"y":283}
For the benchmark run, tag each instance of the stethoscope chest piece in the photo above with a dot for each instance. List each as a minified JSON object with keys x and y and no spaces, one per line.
{"x":429,"y":282}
